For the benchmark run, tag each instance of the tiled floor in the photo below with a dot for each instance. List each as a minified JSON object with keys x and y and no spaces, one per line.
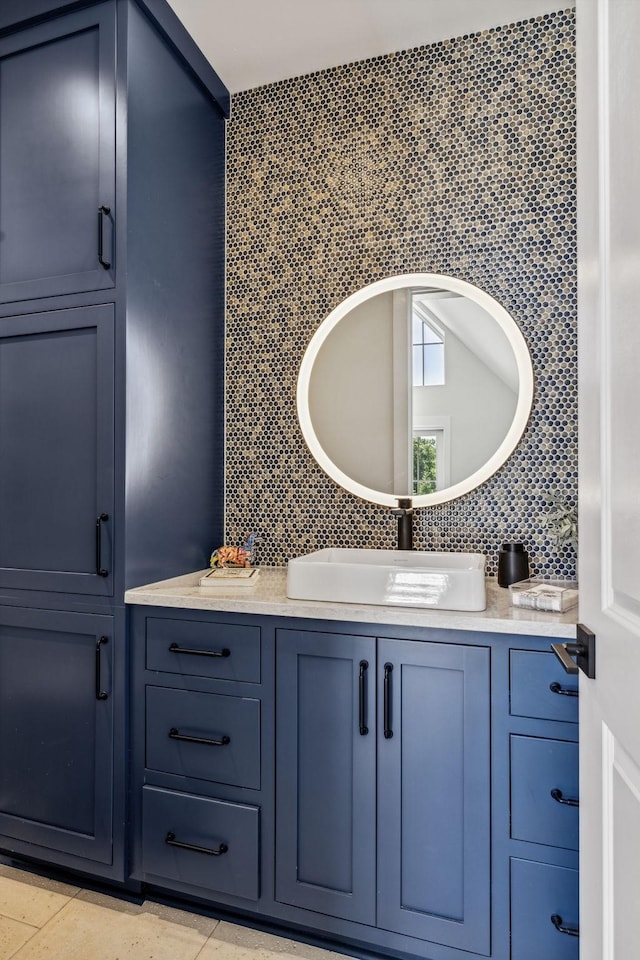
{"x":42,"y":919}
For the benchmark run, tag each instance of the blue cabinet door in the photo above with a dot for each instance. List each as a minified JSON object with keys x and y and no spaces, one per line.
{"x":56,"y":451}
{"x":544,"y":897}
{"x":57,"y":156}
{"x":434,"y":877}
{"x":325,"y":781}
{"x":56,"y":733}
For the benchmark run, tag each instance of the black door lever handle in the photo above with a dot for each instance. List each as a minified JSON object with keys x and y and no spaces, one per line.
{"x":583,"y":649}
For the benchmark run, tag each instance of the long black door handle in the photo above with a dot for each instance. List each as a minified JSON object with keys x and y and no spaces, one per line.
{"x":175,"y":734}
{"x":171,"y":840}
{"x":388,"y":670}
{"x":174,"y":648}
{"x":100,"y":519}
{"x":103,"y":212}
{"x":561,"y":927}
{"x":362,"y":698}
{"x":100,"y":693}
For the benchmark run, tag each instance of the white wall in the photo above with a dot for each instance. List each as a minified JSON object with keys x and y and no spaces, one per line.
{"x":351,"y":400}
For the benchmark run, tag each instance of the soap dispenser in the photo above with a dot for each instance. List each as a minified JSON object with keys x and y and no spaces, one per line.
{"x":513,"y":564}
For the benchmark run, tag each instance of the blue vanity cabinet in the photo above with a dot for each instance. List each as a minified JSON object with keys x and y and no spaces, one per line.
{"x":57,"y":156}
{"x":383,"y":763}
{"x":202,"y":741}
{"x":61,"y":747}
{"x":434,"y":798}
{"x":57,"y":451}
{"x":396,"y":791}
{"x":326,"y":773}
{"x":540,"y":749}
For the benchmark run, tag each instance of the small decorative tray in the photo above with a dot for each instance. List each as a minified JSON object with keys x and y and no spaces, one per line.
{"x":230,"y":576}
{"x":537,"y":594}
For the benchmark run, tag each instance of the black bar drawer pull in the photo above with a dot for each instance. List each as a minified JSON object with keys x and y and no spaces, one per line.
{"x":176,"y":735}
{"x":100,"y":694}
{"x":388,"y":670}
{"x":103,"y":211}
{"x":362,"y":698}
{"x":559,"y":797}
{"x":171,"y":840}
{"x":174,"y":648}
{"x":562,"y":691}
{"x":100,"y":571}
{"x":556,"y":920}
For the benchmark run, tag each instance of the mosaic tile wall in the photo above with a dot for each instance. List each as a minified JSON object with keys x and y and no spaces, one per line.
{"x":454,"y":158}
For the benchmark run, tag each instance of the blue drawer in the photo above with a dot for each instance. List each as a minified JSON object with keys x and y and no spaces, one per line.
{"x":538,"y":892}
{"x":538,"y":767}
{"x":230,"y":725}
{"x":540,"y":688}
{"x":229,"y":830}
{"x":201,"y":648}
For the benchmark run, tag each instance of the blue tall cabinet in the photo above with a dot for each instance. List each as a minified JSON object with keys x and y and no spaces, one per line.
{"x":111,"y":380}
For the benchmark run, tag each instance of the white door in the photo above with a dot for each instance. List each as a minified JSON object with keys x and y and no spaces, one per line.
{"x":609,"y":559}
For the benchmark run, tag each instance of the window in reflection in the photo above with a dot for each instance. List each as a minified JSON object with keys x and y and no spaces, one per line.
{"x":425,"y":456}
{"x":430,"y":471}
{"x":427,"y":348}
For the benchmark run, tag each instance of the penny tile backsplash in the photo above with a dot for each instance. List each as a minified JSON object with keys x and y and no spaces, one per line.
{"x":455,"y":158}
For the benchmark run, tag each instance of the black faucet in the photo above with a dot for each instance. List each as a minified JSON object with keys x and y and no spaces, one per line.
{"x":404,"y":513}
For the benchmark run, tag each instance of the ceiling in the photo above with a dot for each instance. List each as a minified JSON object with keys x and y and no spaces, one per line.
{"x":253,"y":42}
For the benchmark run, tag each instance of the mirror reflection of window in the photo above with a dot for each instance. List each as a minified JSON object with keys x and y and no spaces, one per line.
{"x":430,"y":470}
{"x":427,"y":345}
{"x":425,"y":460}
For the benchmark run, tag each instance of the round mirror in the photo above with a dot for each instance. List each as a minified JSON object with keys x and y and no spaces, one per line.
{"x":418,"y":386}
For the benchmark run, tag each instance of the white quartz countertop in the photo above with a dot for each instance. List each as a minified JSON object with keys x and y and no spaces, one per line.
{"x":269,"y":598}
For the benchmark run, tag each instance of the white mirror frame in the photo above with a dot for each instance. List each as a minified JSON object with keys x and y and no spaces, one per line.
{"x":520,"y":418}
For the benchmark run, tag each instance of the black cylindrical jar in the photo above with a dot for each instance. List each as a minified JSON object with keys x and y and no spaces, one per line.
{"x":513,"y":564}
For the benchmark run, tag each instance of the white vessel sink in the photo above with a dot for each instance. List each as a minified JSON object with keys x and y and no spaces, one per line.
{"x":443,"y":581}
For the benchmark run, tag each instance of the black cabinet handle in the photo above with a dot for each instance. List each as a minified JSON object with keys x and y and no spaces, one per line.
{"x":556,"y":920}
{"x":362,"y":698}
{"x":174,"y":648}
{"x":100,"y":571}
{"x":388,"y":670}
{"x":176,"y":735}
{"x":171,"y":840}
{"x":559,"y":797}
{"x":103,"y":211}
{"x":100,"y":694}
{"x":562,"y":691}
